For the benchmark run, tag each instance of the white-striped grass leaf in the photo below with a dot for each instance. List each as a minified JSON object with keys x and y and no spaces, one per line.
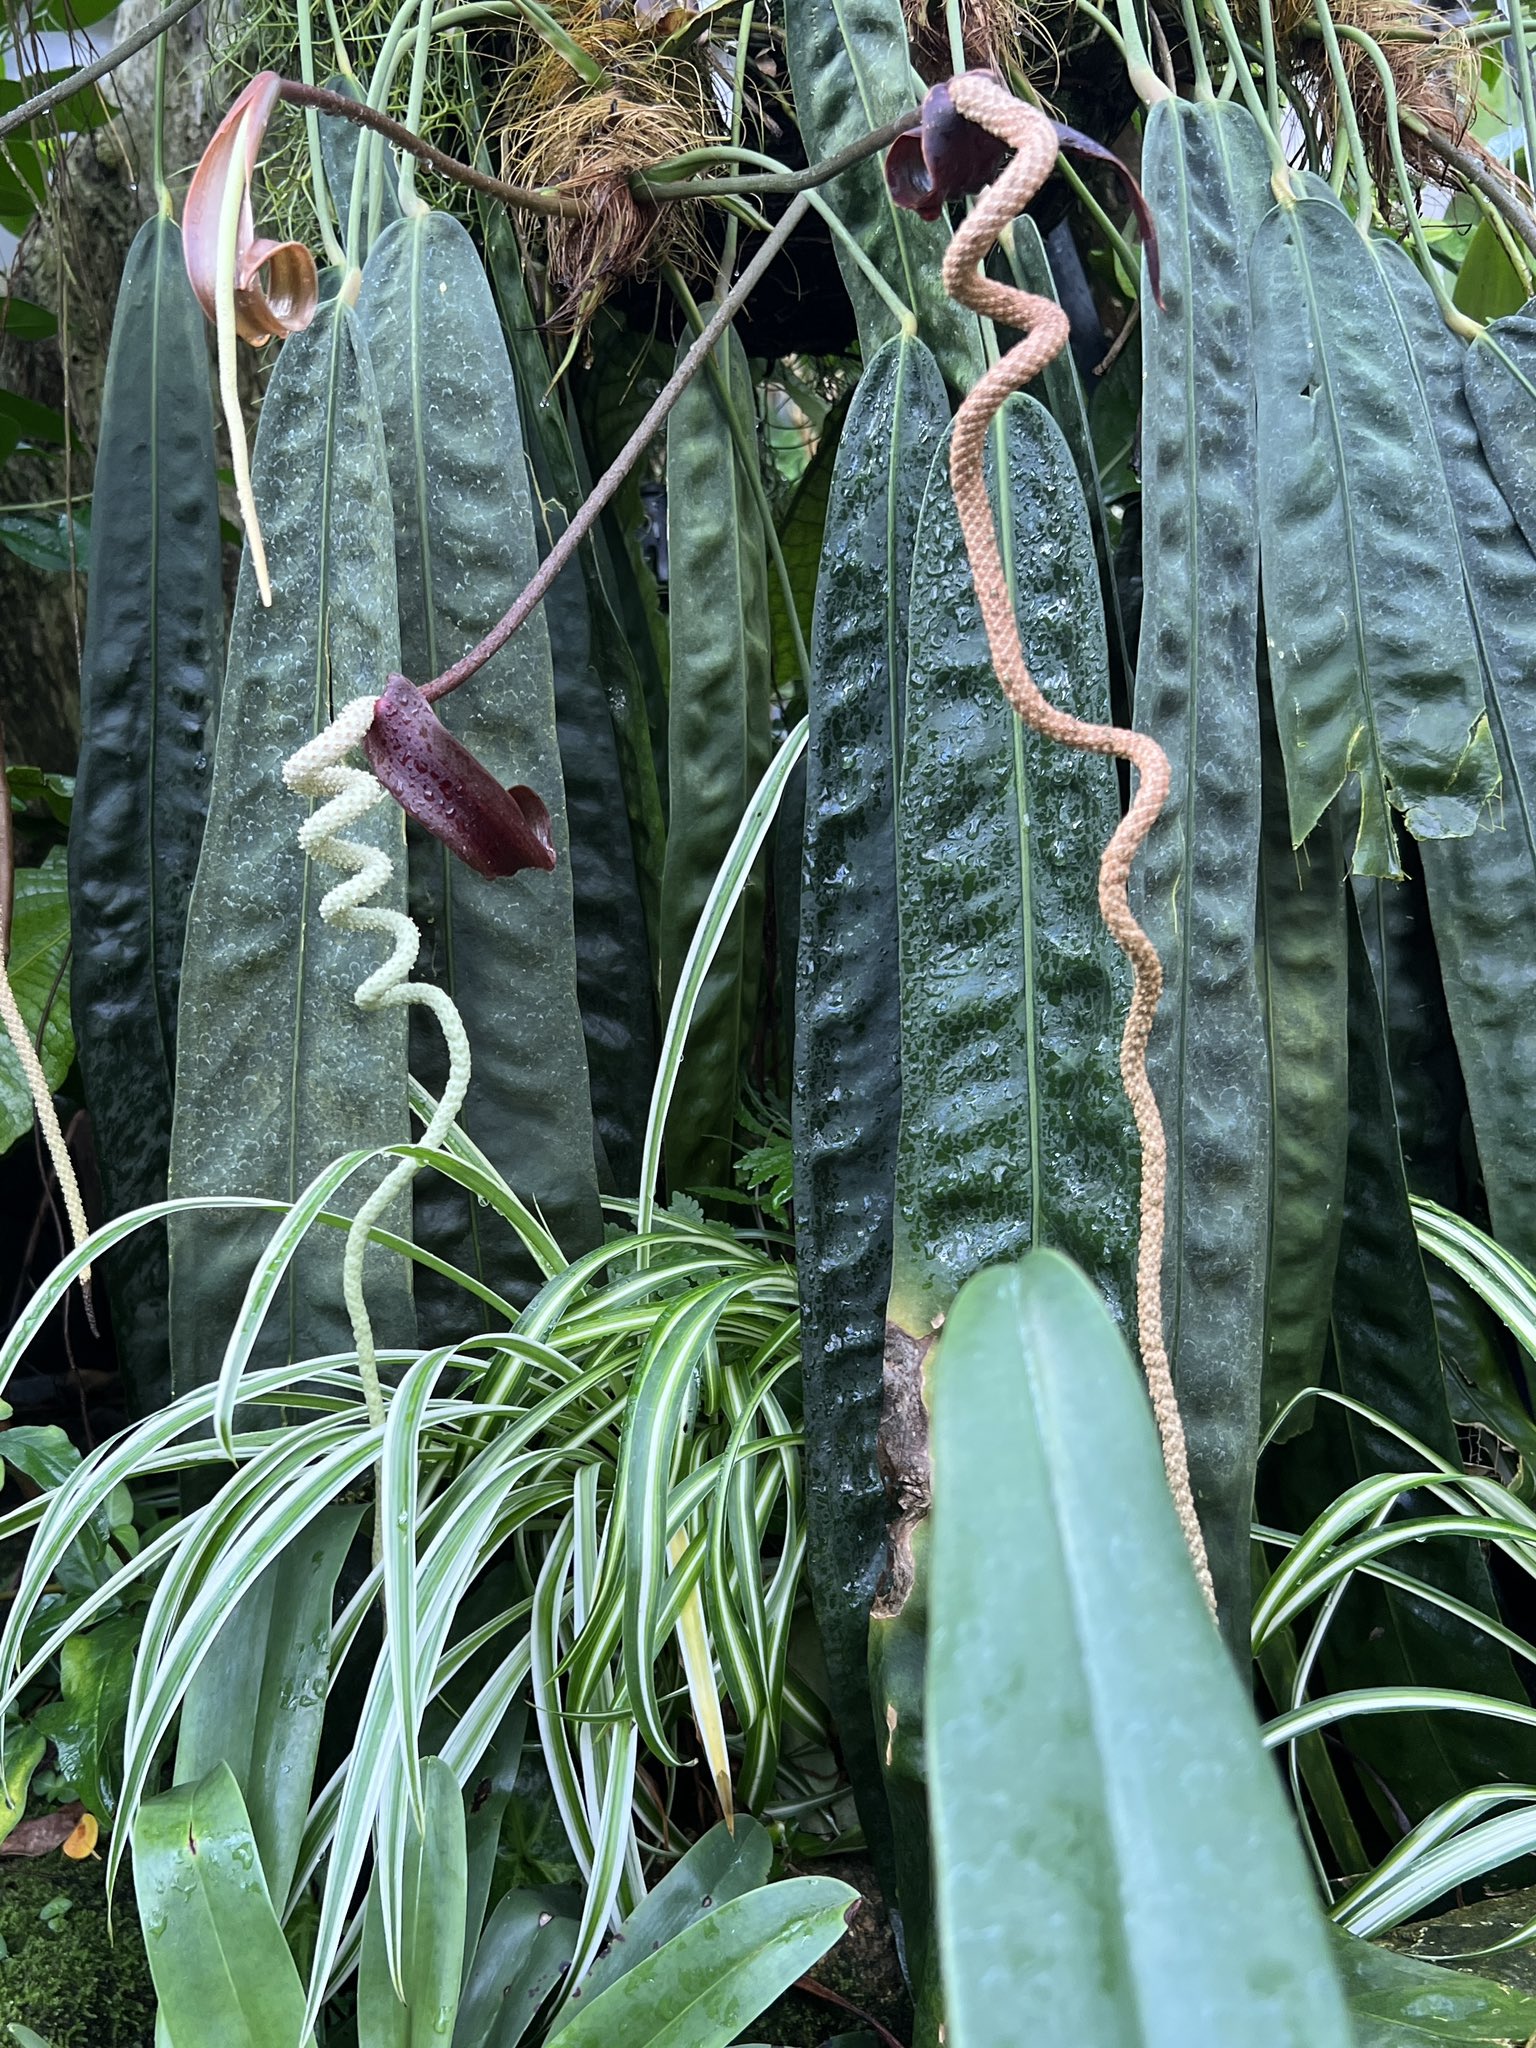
{"x":267,"y":1277}
{"x":1348,"y":1557}
{"x":1353,"y":1911}
{"x":586,"y":1663}
{"x":659,"y":1401}
{"x":735,"y":869}
{"x":475,"y":1729}
{"x":469,"y":1508}
{"x":609,"y":1850}
{"x":1433,"y":1596}
{"x":471,"y":1734}
{"x":161,"y":1679}
{"x":586,"y":1560}
{"x":1355,"y":1505}
{"x":694,"y":1647}
{"x":202,"y":1532}
{"x":460,"y":1147}
{"x":1391,"y":1699}
{"x":460,"y":1751}
{"x":1469,"y":1854}
{"x":743,"y":1647}
{"x":661,"y":1247}
{"x":628,"y":1305}
{"x":1502,"y":1282}
{"x":398,"y":1511}
{"x":46,"y":1297}
{"x":143,"y":1450}
{"x":738,"y":1500}
{"x":549,"y":1602}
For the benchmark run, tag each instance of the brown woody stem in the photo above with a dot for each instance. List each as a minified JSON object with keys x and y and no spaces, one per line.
{"x":608,"y":483}
{"x":528,"y":197}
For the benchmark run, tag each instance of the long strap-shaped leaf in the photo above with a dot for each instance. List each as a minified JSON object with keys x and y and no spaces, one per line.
{"x":1146,"y":1885}
{"x":850,"y":68}
{"x":1499,"y":373}
{"x":505,"y":950}
{"x":436,"y":1880}
{"x":277,"y":1070}
{"x":847,"y":1102}
{"x":718,"y":748}
{"x":1195,"y":885}
{"x":221,"y":1967}
{"x":1014,"y":1128}
{"x":1482,"y":890}
{"x":1372,"y":651}
{"x":710,"y":1980}
{"x":258,"y":1699}
{"x":1386,"y":1358}
{"x":149,"y":679}
{"x":1304,"y":992}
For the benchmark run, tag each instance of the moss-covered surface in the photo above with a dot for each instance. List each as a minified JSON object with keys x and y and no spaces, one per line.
{"x":61,"y":1974}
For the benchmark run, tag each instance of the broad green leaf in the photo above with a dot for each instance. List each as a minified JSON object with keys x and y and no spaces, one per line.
{"x":522,"y":1955}
{"x":718,"y":1974}
{"x":23,"y":1753}
{"x":50,"y":541}
{"x":339,"y":144}
{"x":1372,"y":651}
{"x":85,"y":1725}
{"x":258,"y":1699}
{"x":39,"y":952}
{"x":23,"y":321}
{"x":432,"y":1933}
{"x":41,"y":786}
{"x":1302,"y":962}
{"x":1061,"y":390}
{"x":78,"y":111}
{"x":268,"y":990}
{"x":1147,"y":1886}
{"x":1014,"y":1126}
{"x":149,"y":681}
{"x":464,"y":547}
{"x":29,"y":419}
{"x":1499,"y":375}
{"x":719,"y":1866}
{"x":606,"y":751}
{"x":1482,"y":890}
{"x":1397,"y":2001}
{"x":1487,"y":286}
{"x":221,"y":1967}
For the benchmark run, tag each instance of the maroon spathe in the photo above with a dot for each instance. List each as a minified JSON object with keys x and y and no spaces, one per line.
{"x":947,"y":157}
{"x":436,"y":780}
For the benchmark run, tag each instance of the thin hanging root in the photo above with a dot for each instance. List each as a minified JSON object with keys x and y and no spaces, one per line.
{"x":48,"y":1123}
{"x":1044,"y":325}
{"x":321,"y":770}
